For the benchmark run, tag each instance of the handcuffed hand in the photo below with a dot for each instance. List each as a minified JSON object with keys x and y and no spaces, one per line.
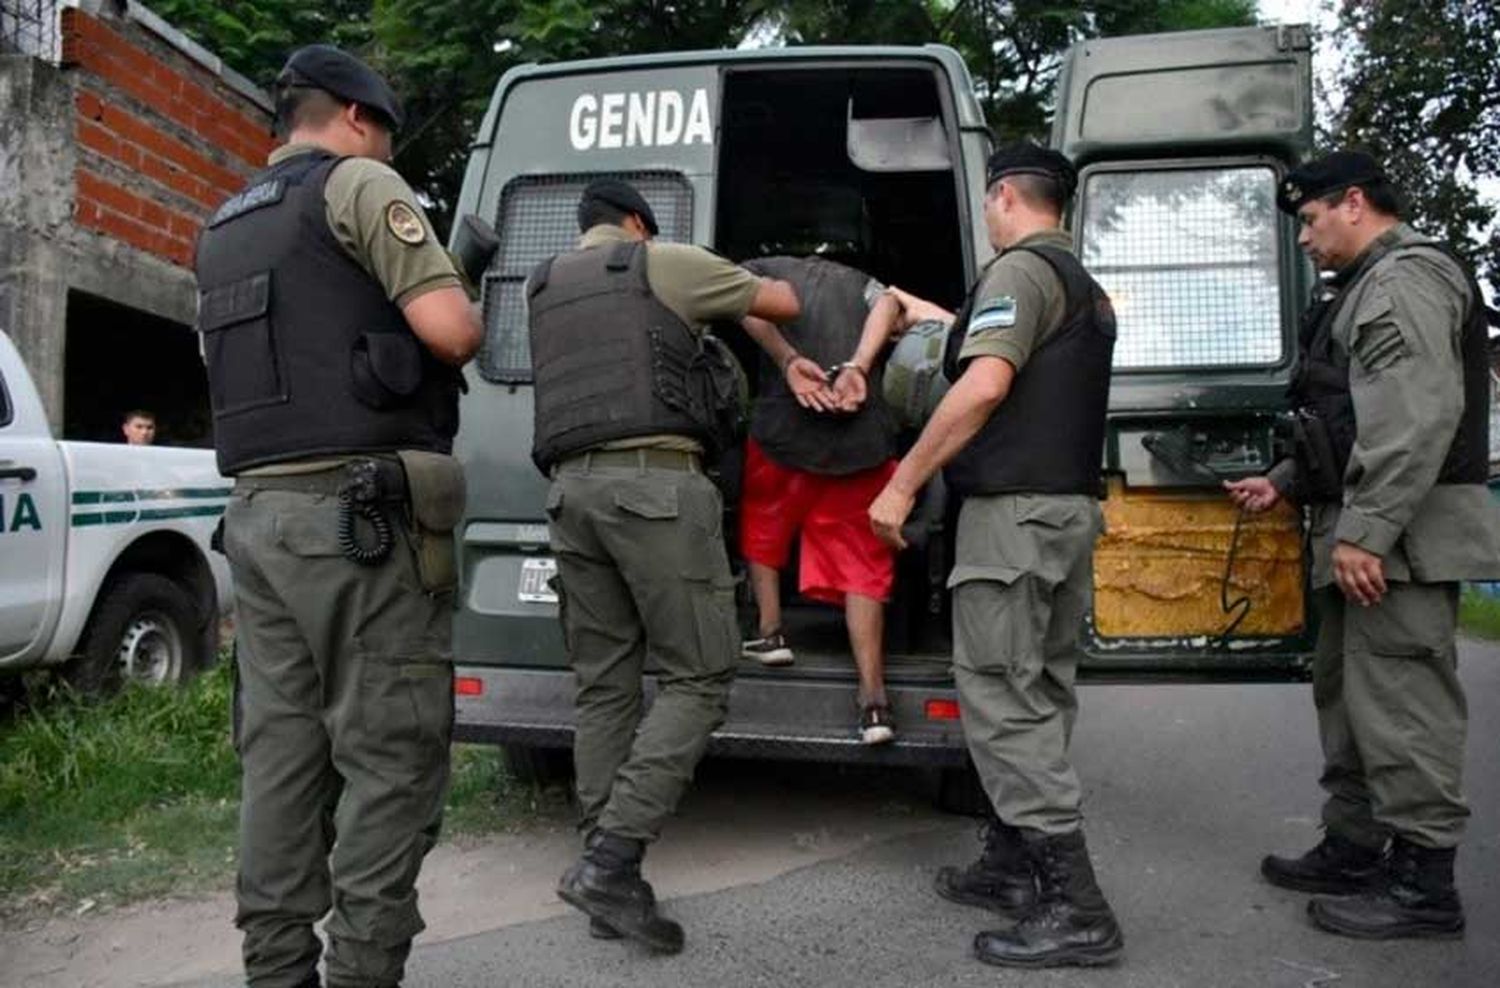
{"x":809,"y":384}
{"x":850,"y":389}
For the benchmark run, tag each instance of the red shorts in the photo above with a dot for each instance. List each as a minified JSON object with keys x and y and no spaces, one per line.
{"x":840,"y":553}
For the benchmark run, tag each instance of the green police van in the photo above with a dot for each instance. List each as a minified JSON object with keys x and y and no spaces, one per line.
{"x":877,"y":154}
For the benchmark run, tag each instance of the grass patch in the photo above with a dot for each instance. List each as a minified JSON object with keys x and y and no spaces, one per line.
{"x":1479,"y":614}
{"x":138,"y":796}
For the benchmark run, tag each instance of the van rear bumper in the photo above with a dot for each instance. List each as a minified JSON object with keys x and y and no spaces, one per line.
{"x":768,"y":718}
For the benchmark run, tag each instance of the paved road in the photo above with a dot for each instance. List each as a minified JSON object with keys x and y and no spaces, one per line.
{"x":1187,"y":787}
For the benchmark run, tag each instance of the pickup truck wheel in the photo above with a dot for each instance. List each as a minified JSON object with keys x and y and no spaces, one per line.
{"x":538,"y":767}
{"x":145,"y":629}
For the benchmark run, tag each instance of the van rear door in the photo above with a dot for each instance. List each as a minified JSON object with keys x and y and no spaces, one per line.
{"x":1181,"y":140}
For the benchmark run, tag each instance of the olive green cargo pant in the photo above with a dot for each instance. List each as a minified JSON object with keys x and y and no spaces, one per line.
{"x":642,"y":568}
{"x":1392,"y":715}
{"x":1022,"y":582}
{"x":344,"y":711}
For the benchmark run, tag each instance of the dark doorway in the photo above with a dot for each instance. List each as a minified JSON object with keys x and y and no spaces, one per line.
{"x":119,"y":359}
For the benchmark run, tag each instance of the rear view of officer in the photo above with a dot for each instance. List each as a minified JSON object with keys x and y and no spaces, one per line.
{"x":626,"y":403}
{"x":333,"y":326}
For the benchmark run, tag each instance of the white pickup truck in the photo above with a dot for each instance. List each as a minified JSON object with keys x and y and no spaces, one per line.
{"x":105,"y":566}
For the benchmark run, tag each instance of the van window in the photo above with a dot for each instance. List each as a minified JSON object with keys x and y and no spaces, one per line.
{"x":5,"y":414}
{"x":1189,"y":258}
{"x":538,"y":217}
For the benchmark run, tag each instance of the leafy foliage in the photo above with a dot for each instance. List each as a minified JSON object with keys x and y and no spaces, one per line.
{"x":1421,"y":91}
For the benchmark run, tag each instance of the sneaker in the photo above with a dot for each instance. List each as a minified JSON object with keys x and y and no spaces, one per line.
{"x":875,"y":725}
{"x":771,"y":650}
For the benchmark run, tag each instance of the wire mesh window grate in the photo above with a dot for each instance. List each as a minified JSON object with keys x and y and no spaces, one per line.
{"x":538,"y":217}
{"x":1188,"y":257}
{"x":29,"y":27}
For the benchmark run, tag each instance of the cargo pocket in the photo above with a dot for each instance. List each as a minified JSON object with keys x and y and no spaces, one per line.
{"x":654,"y":503}
{"x":406,"y":700}
{"x":999,"y":620}
{"x":716,"y":623}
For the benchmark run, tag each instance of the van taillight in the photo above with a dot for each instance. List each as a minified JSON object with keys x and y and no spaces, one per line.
{"x":942,"y":710}
{"x":468,"y":686}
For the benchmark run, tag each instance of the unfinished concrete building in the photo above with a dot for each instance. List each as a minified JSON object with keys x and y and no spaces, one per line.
{"x":118,"y":137}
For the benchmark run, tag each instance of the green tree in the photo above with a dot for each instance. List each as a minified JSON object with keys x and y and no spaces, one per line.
{"x":254,"y":36}
{"x":1420,"y":89}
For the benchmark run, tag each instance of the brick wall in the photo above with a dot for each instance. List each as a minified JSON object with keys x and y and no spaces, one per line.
{"x":161,"y":139}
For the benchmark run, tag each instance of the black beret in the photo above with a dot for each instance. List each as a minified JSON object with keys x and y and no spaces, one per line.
{"x":342,"y":75}
{"x":1321,"y":176}
{"x":1025,"y":158}
{"x":621,"y":195}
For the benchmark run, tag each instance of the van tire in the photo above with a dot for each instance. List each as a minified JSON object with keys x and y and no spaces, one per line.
{"x":144,"y":622}
{"x":536,"y":767}
{"x":960,"y":792}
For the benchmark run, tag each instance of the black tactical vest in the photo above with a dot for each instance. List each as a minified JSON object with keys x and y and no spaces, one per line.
{"x":1320,"y":389}
{"x":1047,"y":437}
{"x":610,"y":360}
{"x":306,"y":355}
{"x":833,"y":316}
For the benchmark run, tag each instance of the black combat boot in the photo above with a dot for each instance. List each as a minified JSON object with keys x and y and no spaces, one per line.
{"x":1415,"y":897}
{"x":1001,"y":879}
{"x":1336,"y":866}
{"x":1070,"y":924}
{"x":606,"y":883}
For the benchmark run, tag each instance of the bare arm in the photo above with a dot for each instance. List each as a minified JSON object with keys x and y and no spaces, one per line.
{"x":915,"y":310}
{"x":775,"y":300}
{"x":447,"y":323}
{"x":884,"y":322}
{"x":881,"y":325}
{"x":770,"y":339}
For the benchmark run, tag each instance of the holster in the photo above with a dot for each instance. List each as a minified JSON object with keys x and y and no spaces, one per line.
{"x":436,"y":490}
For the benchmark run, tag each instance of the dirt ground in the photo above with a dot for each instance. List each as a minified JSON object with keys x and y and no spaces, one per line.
{"x":733,"y":831}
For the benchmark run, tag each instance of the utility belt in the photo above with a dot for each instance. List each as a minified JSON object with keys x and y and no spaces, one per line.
{"x":425,"y":490}
{"x":641,"y":458}
{"x":1318,"y":459}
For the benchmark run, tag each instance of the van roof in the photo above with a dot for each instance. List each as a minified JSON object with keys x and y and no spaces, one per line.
{"x":967,"y":107}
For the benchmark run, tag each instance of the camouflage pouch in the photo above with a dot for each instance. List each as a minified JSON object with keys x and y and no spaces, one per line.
{"x":435,"y":484}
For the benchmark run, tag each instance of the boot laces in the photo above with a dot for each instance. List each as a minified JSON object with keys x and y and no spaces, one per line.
{"x":998,"y":847}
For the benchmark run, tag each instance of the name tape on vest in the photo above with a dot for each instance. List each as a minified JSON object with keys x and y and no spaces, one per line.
{"x":261,"y":194}
{"x":652,"y":119}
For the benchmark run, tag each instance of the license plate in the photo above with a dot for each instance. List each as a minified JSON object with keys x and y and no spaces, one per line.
{"x":535,"y":572}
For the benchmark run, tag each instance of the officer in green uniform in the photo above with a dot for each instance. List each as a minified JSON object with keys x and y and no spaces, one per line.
{"x":1392,"y":397}
{"x":1021,"y":433}
{"x":624,"y":411}
{"x":333,"y":325}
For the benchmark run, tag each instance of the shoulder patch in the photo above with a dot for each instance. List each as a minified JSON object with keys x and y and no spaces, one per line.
{"x":404,"y":223}
{"x":996,"y":313}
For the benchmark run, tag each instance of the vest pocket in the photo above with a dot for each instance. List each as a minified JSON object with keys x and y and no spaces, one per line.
{"x":385,"y":369}
{"x":239,"y":346}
